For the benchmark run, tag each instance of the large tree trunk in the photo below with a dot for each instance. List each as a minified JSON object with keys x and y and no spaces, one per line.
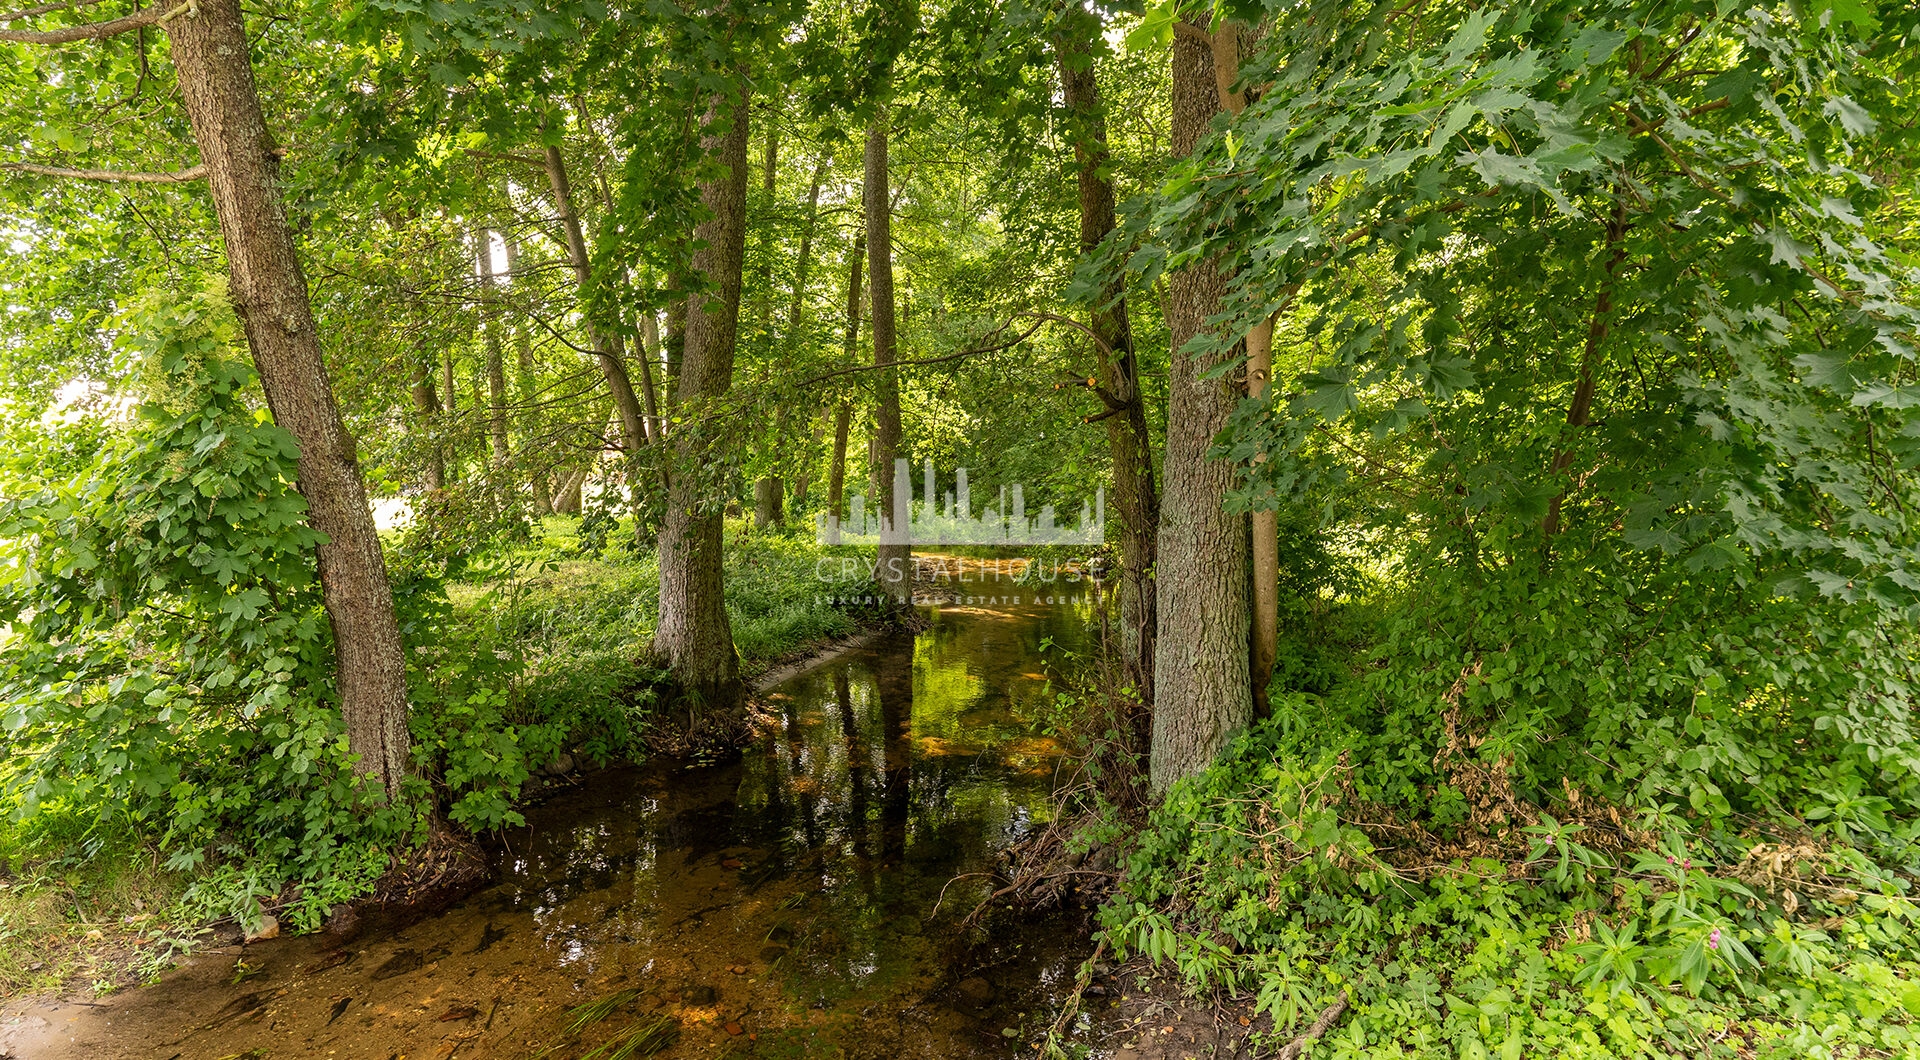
{"x":1135,"y":499}
{"x":694,"y":637}
{"x":269,"y":291}
{"x":1201,"y":686}
{"x":894,"y":561}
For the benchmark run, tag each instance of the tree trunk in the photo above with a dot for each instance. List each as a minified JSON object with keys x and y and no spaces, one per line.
{"x":605,"y":349}
{"x":496,"y":350}
{"x":1266,"y":537}
{"x":539,"y":472}
{"x":837,"y":465}
{"x":568,"y":500}
{"x":1201,"y":668}
{"x":269,"y":292}
{"x":843,"y":414}
{"x":769,"y":509}
{"x":427,"y":403}
{"x":1135,"y":499}
{"x":694,"y":637}
{"x":803,"y":264}
{"x":649,"y":339}
{"x":893,"y":568}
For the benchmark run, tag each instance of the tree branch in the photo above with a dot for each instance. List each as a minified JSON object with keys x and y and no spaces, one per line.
{"x":113,"y":175}
{"x":152,"y":16}
{"x":1015,"y":341}
{"x":44,"y":9}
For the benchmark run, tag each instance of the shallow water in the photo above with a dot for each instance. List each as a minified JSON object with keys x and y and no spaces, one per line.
{"x":803,"y":901}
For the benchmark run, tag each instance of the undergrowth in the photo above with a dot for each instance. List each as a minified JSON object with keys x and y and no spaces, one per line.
{"x":1608,"y":812}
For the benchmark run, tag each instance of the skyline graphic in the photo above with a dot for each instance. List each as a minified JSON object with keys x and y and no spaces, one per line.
{"x":949,"y":520}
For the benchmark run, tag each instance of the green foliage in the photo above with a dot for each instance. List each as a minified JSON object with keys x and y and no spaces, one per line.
{"x":1560,"y":938}
{"x":169,"y":665}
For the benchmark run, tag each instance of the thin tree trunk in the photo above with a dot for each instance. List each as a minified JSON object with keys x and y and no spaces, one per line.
{"x":269,"y":291}
{"x":768,"y":485}
{"x":1265,"y":525}
{"x":605,"y":347}
{"x":694,"y":637}
{"x":539,"y":472}
{"x":893,"y":568}
{"x":1201,"y":668}
{"x":803,"y":264}
{"x":1266,"y":537}
{"x":676,"y":350}
{"x":1135,"y":500}
{"x":649,"y":347}
{"x":837,"y":465}
{"x":427,"y":403}
{"x":496,"y":350}
{"x":843,"y":413}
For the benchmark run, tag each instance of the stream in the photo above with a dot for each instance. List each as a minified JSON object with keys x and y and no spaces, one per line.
{"x":802,"y":901}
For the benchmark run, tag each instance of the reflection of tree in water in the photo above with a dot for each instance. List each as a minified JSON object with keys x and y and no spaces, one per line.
{"x":899,"y":767}
{"x":893,"y":682}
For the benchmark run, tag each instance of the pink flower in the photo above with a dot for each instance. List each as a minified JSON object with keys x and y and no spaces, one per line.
{"x":1713,"y":940}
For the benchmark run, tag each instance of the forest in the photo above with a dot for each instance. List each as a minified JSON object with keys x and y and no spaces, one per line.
{"x":1480,"y":439}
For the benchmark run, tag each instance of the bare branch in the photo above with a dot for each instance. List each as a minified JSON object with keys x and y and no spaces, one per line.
{"x":115,"y":175}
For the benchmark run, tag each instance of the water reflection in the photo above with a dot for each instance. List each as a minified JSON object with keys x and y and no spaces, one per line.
{"x":802,"y":901}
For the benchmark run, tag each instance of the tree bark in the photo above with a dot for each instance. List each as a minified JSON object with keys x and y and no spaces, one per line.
{"x":694,"y":637}
{"x":1201,"y":668}
{"x":893,"y":568}
{"x":1135,"y":500}
{"x":568,"y":500}
{"x":269,"y":290}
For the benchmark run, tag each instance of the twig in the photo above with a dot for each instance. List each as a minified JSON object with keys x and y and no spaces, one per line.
{"x":1080,"y":987}
{"x":1320,"y":1026}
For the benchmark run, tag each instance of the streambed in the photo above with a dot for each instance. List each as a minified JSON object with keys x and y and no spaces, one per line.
{"x":803,"y":901}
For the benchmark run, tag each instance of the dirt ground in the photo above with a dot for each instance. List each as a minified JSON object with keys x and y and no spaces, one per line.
{"x":1151,"y":1019}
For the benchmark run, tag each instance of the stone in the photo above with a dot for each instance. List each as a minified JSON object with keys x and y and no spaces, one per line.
{"x":975,"y":989}
{"x":267,"y":928}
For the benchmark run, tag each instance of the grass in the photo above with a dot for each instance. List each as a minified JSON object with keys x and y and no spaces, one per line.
{"x":80,"y":911}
